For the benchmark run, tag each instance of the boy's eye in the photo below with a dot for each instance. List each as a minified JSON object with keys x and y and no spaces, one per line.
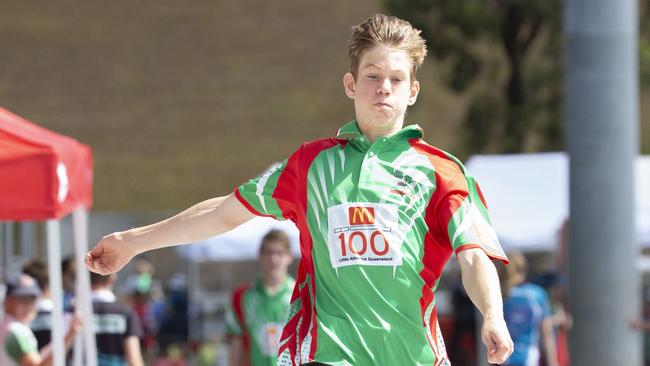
{"x":373,"y":77}
{"x":396,"y":80}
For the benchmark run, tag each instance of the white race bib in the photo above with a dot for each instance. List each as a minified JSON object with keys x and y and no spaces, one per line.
{"x":364,"y":234}
{"x":269,"y":338}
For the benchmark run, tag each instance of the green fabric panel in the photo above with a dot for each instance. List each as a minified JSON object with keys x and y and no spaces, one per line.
{"x":258,"y":192}
{"x":19,"y":342}
{"x":471,"y":224}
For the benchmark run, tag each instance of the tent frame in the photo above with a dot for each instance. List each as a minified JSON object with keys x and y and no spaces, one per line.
{"x":85,"y":350}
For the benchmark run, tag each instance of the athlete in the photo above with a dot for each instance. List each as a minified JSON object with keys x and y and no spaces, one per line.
{"x":258,"y":310}
{"x":528,"y":314}
{"x":18,"y":345}
{"x":379,"y":212}
{"x":117,"y":327}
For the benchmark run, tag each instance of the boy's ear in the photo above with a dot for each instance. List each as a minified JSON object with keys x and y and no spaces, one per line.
{"x":349,"y":85}
{"x":415,"y":90}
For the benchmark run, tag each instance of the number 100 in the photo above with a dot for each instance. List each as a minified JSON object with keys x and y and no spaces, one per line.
{"x":350,"y":244}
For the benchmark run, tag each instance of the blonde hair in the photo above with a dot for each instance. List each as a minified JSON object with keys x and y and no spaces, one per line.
{"x":388,"y":31}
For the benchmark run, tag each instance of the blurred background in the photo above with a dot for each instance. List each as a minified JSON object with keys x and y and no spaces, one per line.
{"x":183,"y":101}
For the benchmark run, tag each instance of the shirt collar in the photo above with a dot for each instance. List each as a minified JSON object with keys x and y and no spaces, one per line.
{"x":45,"y":304}
{"x":286,"y":285}
{"x":351,"y":132}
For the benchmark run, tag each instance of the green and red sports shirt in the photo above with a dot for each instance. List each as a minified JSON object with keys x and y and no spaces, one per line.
{"x":377,"y":221}
{"x":257,"y":317}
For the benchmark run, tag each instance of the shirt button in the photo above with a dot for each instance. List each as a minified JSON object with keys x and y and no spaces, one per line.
{"x":372,"y":153}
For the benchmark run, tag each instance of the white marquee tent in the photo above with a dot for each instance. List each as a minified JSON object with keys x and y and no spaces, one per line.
{"x":528,"y":197}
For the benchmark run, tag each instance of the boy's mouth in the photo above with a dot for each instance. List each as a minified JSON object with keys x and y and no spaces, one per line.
{"x":383,"y":105}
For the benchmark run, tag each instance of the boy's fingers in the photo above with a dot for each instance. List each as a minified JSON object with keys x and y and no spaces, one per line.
{"x":501,"y":352}
{"x":90,"y":262}
{"x":499,"y":349}
{"x":96,"y":251}
{"x":94,"y":264}
{"x":490,"y":345}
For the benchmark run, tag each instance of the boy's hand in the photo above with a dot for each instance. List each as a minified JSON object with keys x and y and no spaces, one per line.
{"x":109,"y":255}
{"x":496,"y":337}
{"x":76,"y":325}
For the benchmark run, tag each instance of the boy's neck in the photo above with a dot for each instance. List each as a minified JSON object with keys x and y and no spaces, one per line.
{"x":273,"y":284}
{"x":101,"y":288}
{"x":375,"y":133}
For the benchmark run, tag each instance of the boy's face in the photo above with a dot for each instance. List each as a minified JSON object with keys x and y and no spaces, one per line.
{"x":21,"y":308}
{"x":382,"y":90}
{"x":275,"y":259}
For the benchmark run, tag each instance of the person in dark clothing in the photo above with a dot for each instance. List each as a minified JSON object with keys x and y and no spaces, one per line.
{"x":117,"y":328}
{"x":69,"y":280}
{"x":462,"y":348}
{"x":174,"y":325}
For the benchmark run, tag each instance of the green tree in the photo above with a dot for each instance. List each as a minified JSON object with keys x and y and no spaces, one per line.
{"x":505,"y":55}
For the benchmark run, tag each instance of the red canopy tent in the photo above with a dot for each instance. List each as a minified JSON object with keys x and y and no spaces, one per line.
{"x":46,"y":176}
{"x":43,"y":175}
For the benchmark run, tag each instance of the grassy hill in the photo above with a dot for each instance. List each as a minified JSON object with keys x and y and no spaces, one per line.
{"x":182,"y":101}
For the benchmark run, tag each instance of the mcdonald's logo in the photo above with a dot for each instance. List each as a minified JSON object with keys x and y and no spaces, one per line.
{"x":361,"y":215}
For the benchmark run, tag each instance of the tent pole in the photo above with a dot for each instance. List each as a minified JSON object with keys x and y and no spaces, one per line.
{"x":10,"y":260}
{"x":53,"y":234}
{"x":27,"y":240}
{"x":77,"y":351}
{"x":84,"y":302}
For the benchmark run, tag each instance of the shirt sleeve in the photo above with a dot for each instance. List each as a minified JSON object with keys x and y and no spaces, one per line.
{"x":273,"y":193}
{"x":19,"y":342}
{"x":463,"y":214}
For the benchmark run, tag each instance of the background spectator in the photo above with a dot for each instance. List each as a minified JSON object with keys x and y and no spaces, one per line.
{"x":18,"y":345}
{"x":69,"y":278}
{"x":527,"y":313}
{"x":258,"y":310}
{"x":117,"y":328}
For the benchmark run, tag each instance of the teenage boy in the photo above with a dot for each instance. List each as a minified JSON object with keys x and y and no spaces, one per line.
{"x":379,"y":212}
{"x":258,"y":310}
{"x":117,"y":328}
{"x":18,"y":346}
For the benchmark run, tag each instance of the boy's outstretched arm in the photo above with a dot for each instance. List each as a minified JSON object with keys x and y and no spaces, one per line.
{"x":481,"y":282}
{"x":199,"y":222}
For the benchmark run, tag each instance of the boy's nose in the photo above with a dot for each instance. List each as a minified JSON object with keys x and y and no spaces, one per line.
{"x":384,"y":87}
